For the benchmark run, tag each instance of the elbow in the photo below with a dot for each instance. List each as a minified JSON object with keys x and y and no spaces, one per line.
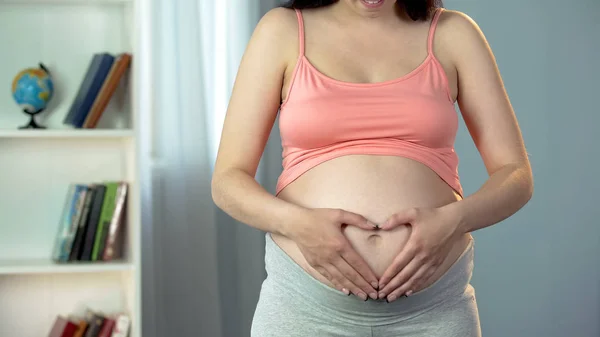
{"x":527,"y":193}
{"x":530,"y":190}
{"x":223,"y":186}
{"x":527,"y":185}
{"x":215,"y":190}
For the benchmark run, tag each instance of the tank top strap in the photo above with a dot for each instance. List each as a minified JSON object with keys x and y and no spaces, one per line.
{"x":432,"y":28}
{"x":300,"y":31}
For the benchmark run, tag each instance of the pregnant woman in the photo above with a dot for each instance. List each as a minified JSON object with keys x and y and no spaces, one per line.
{"x":369,"y":232}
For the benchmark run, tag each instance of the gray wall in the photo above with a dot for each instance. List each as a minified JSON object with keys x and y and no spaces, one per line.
{"x":538,"y":273}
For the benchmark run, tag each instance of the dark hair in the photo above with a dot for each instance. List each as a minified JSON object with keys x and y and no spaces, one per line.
{"x":416,"y":9}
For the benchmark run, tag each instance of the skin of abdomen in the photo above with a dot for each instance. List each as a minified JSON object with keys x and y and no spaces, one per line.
{"x":375,"y":187}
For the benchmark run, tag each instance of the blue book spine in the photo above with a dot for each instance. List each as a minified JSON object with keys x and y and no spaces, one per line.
{"x":90,"y":87}
{"x":83,"y":88}
{"x":61,"y":250}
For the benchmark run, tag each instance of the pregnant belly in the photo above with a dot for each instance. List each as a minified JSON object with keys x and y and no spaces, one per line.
{"x":378,"y":248}
{"x":375,"y":187}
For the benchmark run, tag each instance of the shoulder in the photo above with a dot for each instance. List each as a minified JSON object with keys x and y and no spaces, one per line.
{"x":458,"y":24}
{"x":276,"y":33}
{"x":278,"y":23}
{"x":459,"y":29}
{"x":460,"y":35}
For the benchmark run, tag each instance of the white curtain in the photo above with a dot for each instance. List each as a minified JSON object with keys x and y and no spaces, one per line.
{"x":202,"y":271}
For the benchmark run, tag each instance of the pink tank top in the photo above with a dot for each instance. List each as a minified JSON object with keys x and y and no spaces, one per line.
{"x":412,"y":116}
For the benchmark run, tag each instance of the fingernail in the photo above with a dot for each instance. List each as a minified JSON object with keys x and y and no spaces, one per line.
{"x":373,"y":295}
{"x":375,"y":285}
{"x":408,"y":293}
{"x":381,"y":295}
{"x":392,"y":298}
{"x":346,"y":291}
{"x":363,"y":296}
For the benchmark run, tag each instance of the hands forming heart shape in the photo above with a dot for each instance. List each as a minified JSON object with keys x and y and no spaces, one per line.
{"x":320,"y":239}
{"x":434,"y":232}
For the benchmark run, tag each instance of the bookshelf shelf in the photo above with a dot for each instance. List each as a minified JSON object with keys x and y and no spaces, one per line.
{"x":46,"y":266}
{"x":77,"y":133}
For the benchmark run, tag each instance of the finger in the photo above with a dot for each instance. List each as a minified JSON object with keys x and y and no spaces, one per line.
{"x":425,"y":279}
{"x":333,"y":281}
{"x":356,"y":220}
{"x":355,"y":278}
{"x":408,"y":287}
{"x":407,"y":254}
{"x":400,"y":219}
{"x":404,"y":275}
{"x":361,"y":267}
{"x":346,"y":283}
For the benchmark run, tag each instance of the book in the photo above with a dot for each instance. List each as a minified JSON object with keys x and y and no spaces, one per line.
{"x":62,"y":328}
{"x":120,"y":65}
{"x":92,"y":225}
{"x":108,"y":208}
{"x":92,"y":324}
{"x":64,"y":224}
{"x":107,"y":327}
{"x":77,"y":246}
{"x":122,"y":325}
{"x":71,"y":215}
{"x":81,"y":195}
{"x":81,"y":328}
{"x":91,"y":84}
{"x":95,"y":321}
{"x":114,"y":242}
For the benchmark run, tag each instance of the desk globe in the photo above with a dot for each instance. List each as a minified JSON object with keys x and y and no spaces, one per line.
{"x":32,"y":89}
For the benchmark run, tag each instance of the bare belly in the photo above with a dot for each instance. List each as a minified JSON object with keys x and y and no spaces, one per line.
{"x":375,"y":187}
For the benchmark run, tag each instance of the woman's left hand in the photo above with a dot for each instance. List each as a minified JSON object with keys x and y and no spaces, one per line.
{"x":434,"y":231}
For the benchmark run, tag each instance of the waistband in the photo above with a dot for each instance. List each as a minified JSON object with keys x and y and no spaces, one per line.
{"x":293,"y":280}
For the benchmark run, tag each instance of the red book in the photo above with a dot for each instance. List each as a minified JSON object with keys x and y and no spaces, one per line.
{"x":107,"y":328}
{"x":63,"y":328}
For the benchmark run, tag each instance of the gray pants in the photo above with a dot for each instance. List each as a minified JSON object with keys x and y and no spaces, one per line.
{"x":292,"y":303}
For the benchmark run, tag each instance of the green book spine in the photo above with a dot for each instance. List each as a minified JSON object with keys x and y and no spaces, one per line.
{"x":108,"y":208}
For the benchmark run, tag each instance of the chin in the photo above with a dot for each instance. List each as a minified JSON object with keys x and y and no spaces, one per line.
{"x":372,"y":5}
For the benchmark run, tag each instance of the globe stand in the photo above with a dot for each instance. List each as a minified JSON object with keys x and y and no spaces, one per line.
{"x":32,"y":124}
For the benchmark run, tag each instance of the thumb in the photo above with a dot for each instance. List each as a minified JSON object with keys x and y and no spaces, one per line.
{"x":356,"y":220}
{"x":400,"y":219}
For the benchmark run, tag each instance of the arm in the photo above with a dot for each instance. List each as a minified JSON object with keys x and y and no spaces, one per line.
{"x":252,"y":110}
{"x":492,"y":124}
{"x":250,"y":116}
{"x":491,"y":121}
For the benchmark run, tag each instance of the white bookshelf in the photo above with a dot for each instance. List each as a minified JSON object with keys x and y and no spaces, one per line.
{"x":36,"y":166}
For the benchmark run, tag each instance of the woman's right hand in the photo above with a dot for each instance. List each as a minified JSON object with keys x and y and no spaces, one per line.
{"x":319,"y":236}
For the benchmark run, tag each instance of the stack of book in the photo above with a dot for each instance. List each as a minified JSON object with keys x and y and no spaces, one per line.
{"x":91,"y":226}
{"x":93,"y":324}
{"x":97,"y":88}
